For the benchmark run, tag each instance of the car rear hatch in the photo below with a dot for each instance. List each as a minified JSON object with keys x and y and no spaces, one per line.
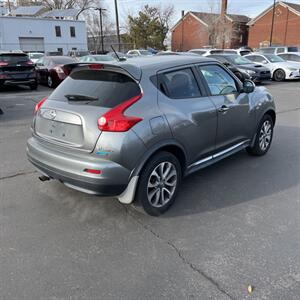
{"x":69,"y":117}
{"x":16,"y":66}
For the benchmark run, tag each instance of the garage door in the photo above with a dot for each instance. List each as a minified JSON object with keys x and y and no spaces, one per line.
{"x":32,"y":44}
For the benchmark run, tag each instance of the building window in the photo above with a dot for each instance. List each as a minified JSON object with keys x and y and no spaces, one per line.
{"x":57,"y":31}
{"x":72,"y":31}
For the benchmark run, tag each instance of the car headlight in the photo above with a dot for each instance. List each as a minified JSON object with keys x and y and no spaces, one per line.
{"x":250,"y":72}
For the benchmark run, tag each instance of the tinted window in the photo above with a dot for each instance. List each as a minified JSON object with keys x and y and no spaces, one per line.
{"x":245,"y":52}
{"x":57,"y":31}
{"x":180,"y":84}
{"x":218,"y":80}
{"x":14,"y":58}
{"x":110,"y":88}
{"x":293,"y":49}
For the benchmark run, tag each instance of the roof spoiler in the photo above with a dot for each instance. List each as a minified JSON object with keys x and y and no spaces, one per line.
{"x":133,"y":71}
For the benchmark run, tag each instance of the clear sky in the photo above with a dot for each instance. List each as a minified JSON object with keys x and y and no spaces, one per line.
{"x":250,"y":8}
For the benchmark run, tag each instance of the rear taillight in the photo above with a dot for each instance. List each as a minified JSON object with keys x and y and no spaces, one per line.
{"x":115,"y":120}
{"x":39,"y":104}
{"x":96,"y":66}
{"x":3,"y":63}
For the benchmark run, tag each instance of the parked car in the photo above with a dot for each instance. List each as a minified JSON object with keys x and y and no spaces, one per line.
{"x":141,"y":52}
{"x":174,"y":53}
{"x":35,"y":56}
{"x":121,"y":55}
{"x":206,"y":52}
{"x":96,"y":57}
{"x":278,"y":49}
{"x":78,"y":53}
{"x":17,"y":69}
{"x":280,"y":69}
{"x":257,"y":72}
{"x":133,"y":130}
{"x":290,"y":56}
{"x":51,"y":71}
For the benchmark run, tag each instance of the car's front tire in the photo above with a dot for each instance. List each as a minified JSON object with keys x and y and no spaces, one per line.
{"x":264,"y":137}
{"x":158,"y":184}
{"x":33,"y":86}
{"x":279,"y":75}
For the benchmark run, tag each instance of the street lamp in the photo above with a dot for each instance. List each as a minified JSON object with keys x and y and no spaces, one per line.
{"x":273,"y":20}
{"x":101,"y":26}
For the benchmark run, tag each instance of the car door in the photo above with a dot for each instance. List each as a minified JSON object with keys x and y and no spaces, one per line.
{"x":190,"y":113}
{"x":235,"y":118}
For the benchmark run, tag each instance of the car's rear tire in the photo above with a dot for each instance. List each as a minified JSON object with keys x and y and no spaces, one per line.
{"x":279,"y":75}
{"x":158,"y":184}
{"x":263,"y":138}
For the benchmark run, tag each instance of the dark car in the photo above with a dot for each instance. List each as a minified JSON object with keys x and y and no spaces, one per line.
{"x":134,"y":129}
{"x":51,"y":70}
{"x":257,"y":73}
{"x":17,"y":69}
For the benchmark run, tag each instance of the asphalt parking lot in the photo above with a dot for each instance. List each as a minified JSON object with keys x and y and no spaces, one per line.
{"x":234,"y":224}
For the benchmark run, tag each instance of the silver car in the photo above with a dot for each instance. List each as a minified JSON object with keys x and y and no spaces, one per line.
{"x":280,"y":69}
{"x":134,"y":129}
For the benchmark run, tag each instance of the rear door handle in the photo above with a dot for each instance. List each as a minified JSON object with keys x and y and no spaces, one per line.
{"x":223,"y":108}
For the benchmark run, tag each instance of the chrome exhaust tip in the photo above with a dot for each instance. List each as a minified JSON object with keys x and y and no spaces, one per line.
{"x":44,"y":178}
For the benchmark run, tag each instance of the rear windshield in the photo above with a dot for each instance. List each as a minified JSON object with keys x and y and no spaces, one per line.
{"x":293,"y":49}
{"x":14,"y":58}
{"x":108,"y":87}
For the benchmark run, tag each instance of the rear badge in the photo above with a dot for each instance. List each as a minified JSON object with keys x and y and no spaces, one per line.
{"x":49,"y":114}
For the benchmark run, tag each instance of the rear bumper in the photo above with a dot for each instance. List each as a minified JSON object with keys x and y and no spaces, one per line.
{"x":18,"y":81}
{"x":68,"y":169}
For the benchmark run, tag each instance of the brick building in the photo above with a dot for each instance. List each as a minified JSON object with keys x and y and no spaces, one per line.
{"x":199,"y":29}
{"x":286,"y":30}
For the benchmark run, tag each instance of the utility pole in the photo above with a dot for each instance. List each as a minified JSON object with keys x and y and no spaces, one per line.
{"x":117,"y":23}
{"x":273,"y":20}
{"x":101,"y":27}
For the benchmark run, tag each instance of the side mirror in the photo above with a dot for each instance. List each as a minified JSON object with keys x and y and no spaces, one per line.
{"x":248,"y":86}
{"x":264,"y":62}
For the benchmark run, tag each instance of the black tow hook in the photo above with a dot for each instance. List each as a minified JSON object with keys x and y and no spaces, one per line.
{"x":44,"y":178}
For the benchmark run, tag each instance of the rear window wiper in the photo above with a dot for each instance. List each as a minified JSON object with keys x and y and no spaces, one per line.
{"x":75,"y":97}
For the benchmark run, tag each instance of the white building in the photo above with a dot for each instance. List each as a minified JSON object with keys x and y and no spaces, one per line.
{"x":43,"y":34}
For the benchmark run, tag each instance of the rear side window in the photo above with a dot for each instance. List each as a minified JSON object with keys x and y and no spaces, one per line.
{"x":97,"y":88}
{"x":179,"y":84}
{"x":293,"y":49}
{"x":218,"y":80}
{"x":14,"y":58}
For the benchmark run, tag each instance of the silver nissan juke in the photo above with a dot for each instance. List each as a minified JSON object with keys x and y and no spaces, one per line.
{"x":133,"y":129}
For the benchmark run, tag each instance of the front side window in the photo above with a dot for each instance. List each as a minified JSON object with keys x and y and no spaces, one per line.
{"x":218,"y":80}
{"x":295,"y":57}
{"x":72,"y":32}
{"x":179,"y":84}
{"x":280,"y":50}
{"x":57,"y":31}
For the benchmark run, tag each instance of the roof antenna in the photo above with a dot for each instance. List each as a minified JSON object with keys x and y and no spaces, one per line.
{"x":118,"y":57}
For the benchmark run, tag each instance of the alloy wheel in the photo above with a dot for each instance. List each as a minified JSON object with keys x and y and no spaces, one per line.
{"x":265,"y":135}
{"x":162,"y":184}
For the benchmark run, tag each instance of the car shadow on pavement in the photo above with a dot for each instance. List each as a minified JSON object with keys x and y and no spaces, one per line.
{"x":241,"y":178}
